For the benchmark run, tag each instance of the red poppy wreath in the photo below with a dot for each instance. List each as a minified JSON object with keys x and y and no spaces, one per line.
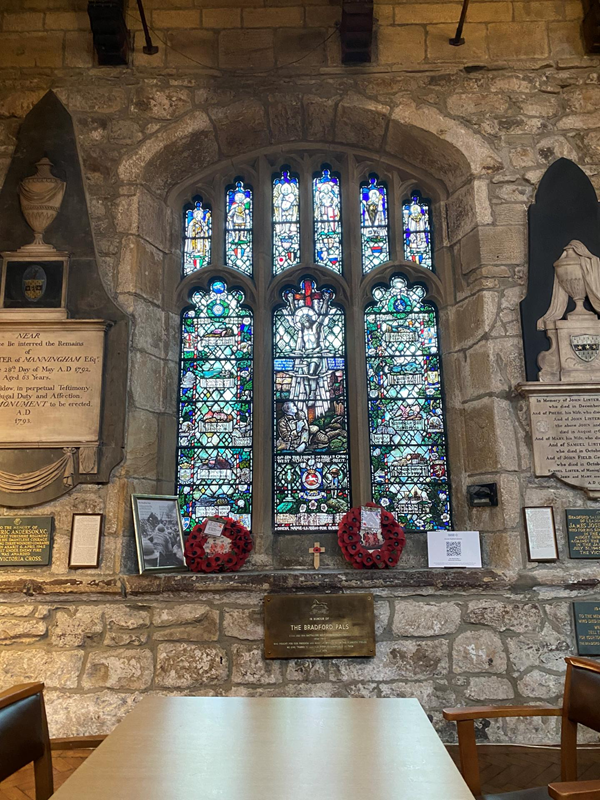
{"x":224,"y":553}
{"x":368,"y":551}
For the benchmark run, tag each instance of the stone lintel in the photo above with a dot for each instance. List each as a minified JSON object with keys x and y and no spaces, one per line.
{"x":529,"y":388}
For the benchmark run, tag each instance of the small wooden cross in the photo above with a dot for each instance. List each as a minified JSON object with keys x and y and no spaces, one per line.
{"x":316,"y":552}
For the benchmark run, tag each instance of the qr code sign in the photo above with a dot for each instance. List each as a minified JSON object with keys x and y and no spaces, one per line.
{"x":454,"y":549}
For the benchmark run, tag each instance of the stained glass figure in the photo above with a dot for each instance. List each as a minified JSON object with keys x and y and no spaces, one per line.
{"x":238,"y":228}
{"x":197,"y":237}
{"x":406,"y":409}
{"x":374,"y":230}
{"x":310,"y":413}
{"x":215,"y":408}
{"x":416,"y":216}
{"x":327,"y":210}
{"x":286,"y":221}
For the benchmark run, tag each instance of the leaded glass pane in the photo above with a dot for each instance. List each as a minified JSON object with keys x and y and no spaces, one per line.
{"x":416,"y":216}
{"x":238,"y":228}
{"x":327,"y":210}
{"x":374,"y":224}
{"x":311,"y":423}
{"x":286,"y":221}
{"x":197,"y":237}
{"x":406,"y":410}
{"x":215,"y":408}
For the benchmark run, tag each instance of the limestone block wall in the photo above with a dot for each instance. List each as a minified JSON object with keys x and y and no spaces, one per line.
{"x":446,"y":648}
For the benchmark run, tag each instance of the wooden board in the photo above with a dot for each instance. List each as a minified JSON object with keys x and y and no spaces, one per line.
{"x":233,"y":748}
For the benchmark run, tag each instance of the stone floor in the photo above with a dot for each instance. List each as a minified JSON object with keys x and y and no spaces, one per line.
{"x":503,"y":769}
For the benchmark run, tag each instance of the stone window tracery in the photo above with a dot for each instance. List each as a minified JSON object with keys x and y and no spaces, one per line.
{"x":315,"y":250}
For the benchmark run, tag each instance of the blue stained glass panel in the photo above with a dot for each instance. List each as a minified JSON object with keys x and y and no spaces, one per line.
{"x":238,"y":228}
{"x":215,"y":408}
{"x":375,"y":238}
{"x":286,"y":221}
{"x":406,"y":408}
{"x":416,"y":216}
{"x":311,"y":489}
{"x":197,"y":223}
{"x":327,"y":211}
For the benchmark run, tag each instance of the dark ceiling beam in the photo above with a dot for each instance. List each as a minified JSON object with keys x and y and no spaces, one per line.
{"x":591,"y":25}
{"x":356,"y":31}
{"x":109,"y":32}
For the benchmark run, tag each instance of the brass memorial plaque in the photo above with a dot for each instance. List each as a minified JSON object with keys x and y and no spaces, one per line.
{"x":319,"y":625}
{"x":25,"y":541}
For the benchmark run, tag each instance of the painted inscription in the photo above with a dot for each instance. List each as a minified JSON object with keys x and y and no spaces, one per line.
{"x":50,"y":382}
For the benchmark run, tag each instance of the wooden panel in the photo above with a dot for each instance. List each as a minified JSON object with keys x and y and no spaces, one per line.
{"x":198,"y":748}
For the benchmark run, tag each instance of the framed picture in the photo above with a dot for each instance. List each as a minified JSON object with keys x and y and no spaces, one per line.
{"x":158,"y":532}
{"x":541,"y":533}
{"x":86,"y":532}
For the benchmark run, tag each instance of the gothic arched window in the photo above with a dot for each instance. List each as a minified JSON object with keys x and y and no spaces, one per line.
{"x":310,"y":367}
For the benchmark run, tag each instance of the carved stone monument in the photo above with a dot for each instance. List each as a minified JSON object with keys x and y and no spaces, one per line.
{"x":564,"y":405}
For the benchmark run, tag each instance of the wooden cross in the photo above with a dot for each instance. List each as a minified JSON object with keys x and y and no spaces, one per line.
{"x":316,"y":552}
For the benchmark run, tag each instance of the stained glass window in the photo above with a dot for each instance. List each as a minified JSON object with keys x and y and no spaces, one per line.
{"x":416,"y":216}
{"x":374,"y":224}
{"x":197,"y":224}
{"x":311,"y":421}
{"x":238,"y":228}
{"x":327,"y":212}
{"x":215,"y":414}
{"x":286,"y":221}
{"x":406,"y":410}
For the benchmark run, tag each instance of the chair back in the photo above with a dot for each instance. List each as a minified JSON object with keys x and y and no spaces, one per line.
{"x":581,"y":706}
{"x":24,"y":735}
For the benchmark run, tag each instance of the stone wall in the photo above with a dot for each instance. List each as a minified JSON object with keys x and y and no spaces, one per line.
{"x":477,"y":126}
{"x":446,"y":648}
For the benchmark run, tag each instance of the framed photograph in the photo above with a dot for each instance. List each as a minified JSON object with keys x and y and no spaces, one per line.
{"x":86,"y":532}
{"x":541,"y":533}
{"x":158,"y":532}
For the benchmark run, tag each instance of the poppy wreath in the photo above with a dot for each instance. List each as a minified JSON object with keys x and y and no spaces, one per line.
{"x":221,"y":558}
{"x":362,"y":557}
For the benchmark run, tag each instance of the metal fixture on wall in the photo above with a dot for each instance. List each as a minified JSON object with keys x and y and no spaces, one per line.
{"x":458,"y":37}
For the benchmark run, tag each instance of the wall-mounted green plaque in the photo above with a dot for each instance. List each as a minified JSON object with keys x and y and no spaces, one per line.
{"x":583,"y":529}
{"x":587,"y":628}
{"x":25,"y":541}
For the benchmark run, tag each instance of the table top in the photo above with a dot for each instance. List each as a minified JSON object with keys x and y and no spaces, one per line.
{"x":234,"y":748}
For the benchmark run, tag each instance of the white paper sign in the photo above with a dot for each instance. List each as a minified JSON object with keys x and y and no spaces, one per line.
{"x":453,"y":549}
{"x":213,"y":528}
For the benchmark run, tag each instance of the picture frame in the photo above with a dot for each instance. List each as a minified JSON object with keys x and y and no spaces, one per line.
{"x":86,"y":537}
{"x":158,"y":533}
{"x":540,"y":530}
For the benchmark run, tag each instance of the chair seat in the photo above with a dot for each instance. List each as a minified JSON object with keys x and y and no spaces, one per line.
{"x":541,"y":793}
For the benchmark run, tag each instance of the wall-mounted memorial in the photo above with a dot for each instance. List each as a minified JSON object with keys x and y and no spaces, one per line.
{"x":62,"y":340}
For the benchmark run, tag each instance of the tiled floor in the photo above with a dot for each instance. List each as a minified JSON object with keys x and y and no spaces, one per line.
{"x":503,"y":769}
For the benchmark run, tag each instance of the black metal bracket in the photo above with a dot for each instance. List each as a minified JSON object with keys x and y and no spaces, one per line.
{"x":458,"y":39}
{"x":149,"y":49}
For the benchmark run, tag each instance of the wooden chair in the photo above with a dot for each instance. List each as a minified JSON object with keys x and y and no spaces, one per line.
{"x":24,"y":736}
{"x":581,"y":705}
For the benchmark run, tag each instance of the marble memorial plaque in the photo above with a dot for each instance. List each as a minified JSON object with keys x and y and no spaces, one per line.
{"x":566,"y":438}
{"x":587,"y":628}
{"x":319,"y":625}
{"x":25,"y":541}
{"x":50,"y":382}
{"x":583,"y":529}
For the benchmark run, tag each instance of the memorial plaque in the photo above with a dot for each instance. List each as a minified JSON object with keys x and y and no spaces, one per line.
{"x":566,"y":438}
{"x":50,"y":382}
{"x":583,"y":529}
{"x":25,"y":541}
{"x":587,"y":628}
{"x":319,"y":625}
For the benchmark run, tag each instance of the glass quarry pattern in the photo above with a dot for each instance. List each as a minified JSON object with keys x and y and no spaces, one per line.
{"x":286,"y":221}
{"x":374,"y":224}
{"x":416,"y":217}
{"x":197,"y":223}
{"x":327,"y":210}
{"x":238,"y":228}
{"x":215,"y":408}
{"x":406,"y":412}
{"x":310,"y":409}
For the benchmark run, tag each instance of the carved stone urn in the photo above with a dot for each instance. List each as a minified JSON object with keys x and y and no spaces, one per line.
{"x":569,"y":274}
{"x":41,"y":196}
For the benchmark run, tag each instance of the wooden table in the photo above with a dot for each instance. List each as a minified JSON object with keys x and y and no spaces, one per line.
{"x":233,"y":748}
